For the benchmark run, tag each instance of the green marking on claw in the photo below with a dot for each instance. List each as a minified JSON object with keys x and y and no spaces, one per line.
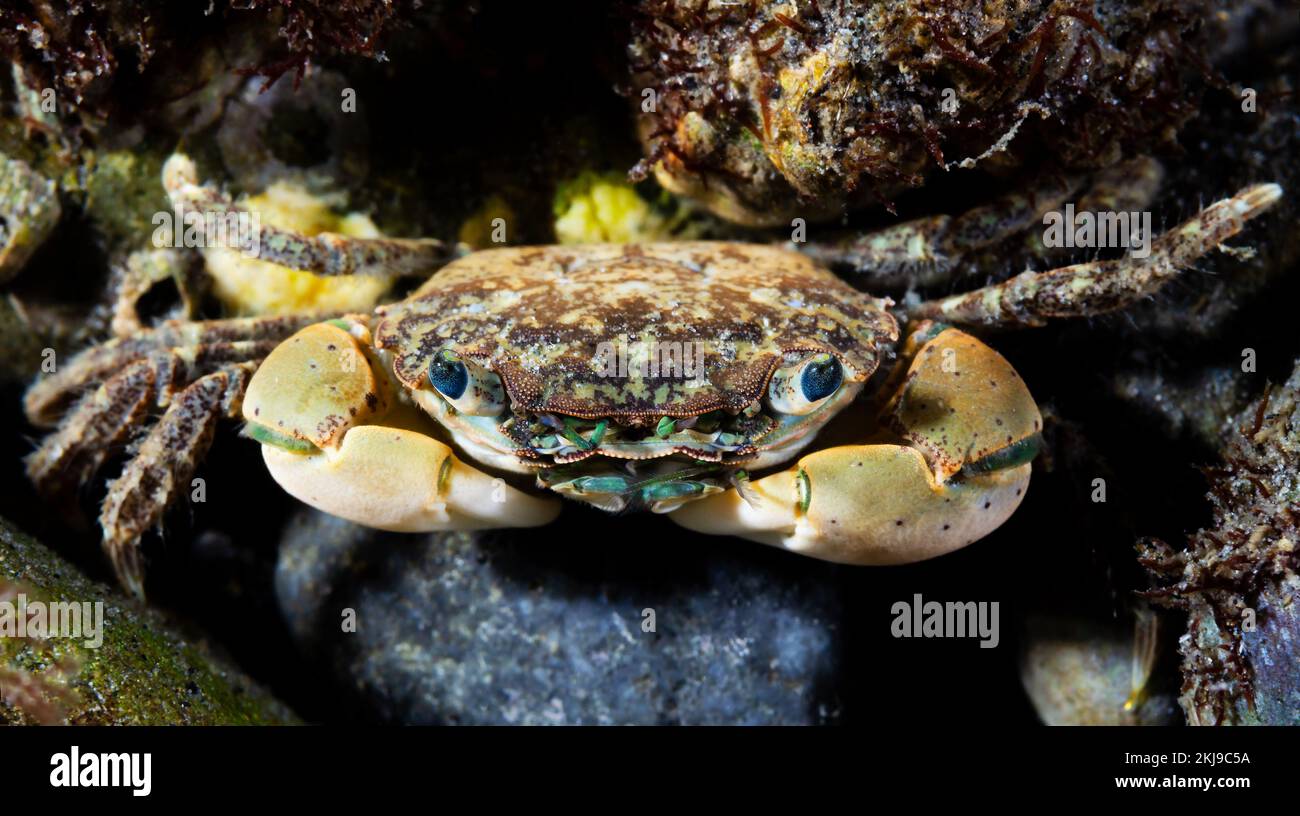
{"x":1013,"y":455}
{"x":444,"y":470}
{"x":804,"y":487}
{"x":278,"y":440}
{"x":932,"y":331}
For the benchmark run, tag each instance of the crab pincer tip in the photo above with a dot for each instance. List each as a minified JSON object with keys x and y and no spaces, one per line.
{"x":1253,"y":200}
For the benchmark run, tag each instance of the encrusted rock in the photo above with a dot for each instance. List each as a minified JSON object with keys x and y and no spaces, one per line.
{"x":1237,"y":578}
{"x":29,"y":209}
{"x":145,"y":671}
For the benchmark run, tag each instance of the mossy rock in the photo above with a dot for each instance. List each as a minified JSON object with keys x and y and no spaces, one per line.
{"x":145,"y":672}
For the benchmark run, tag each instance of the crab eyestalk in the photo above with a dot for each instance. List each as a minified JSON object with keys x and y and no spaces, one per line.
{"x":801,"y":388}
{"x":468,"y":386}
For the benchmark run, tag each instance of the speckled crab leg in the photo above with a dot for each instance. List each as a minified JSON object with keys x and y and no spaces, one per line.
{"x":322,"y":254}
{"x":104,"y":421}
{"x":181,"y":351}
{"x":99,"y":423}
{"x":922,"y":252}
{"x":963,"y":431}
{"x":105,"y":416}
{"x":130,"y":281}
{"x":163,"y":465}
{"x":1125,"y":187}
{"x":196,"y":371}
{"x":925,"y":251}
{"x":1082,"y":290}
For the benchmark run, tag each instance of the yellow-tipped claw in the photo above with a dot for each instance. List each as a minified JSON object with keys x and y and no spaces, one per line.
{"x":862,"y":504}
{"x":396,"y":479}
{"x":333,"y":436}
{"x":968,"y":429}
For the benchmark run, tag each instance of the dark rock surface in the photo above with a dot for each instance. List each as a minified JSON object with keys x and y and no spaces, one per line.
{"x":508,"y":628}
{"x":1273,"y":651}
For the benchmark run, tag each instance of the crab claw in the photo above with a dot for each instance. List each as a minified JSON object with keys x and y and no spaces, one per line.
{"x":334,"y":436}
{"x":968,"y":429}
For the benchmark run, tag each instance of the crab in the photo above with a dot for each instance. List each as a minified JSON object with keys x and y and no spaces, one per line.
{"x":739,"y":389}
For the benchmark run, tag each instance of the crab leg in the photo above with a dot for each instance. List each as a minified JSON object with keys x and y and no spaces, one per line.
{"x":957,"y":465}
{"x":137,"y":375}
{"x":132,"y":280}
{"x":1030,"y":299}
{"x":335,"y":436}
{"x":323,"y":254}
{"x":926,"y":251}
{"x":163,"y":464}
{"x":181,"y":350}
{"x":100,"y":422}
{"x":923,"y":251}
{"x":196,"y":371}
{"x":1130,"y":185}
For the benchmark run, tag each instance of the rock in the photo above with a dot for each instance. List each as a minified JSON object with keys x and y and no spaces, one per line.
{"x":20,"y":345}
{"x":1237,"y":578}
{"x":29,"y":209}
{"x":1080,"y":672}
{"x":145,"y":671}
{"x":1273,"y":652}
{"x":531,"y":627}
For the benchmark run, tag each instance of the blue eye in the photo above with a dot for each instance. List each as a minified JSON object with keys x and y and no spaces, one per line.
{"x":802,"y":386}
{"x":448,"y":375}
{"x":821,"y":377}
{"x":466,"y":385}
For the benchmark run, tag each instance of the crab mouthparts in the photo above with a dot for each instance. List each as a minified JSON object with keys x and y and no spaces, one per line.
{"x":623,"y":465}
{"x":659,"y":485}
{"x":716,"y":437}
